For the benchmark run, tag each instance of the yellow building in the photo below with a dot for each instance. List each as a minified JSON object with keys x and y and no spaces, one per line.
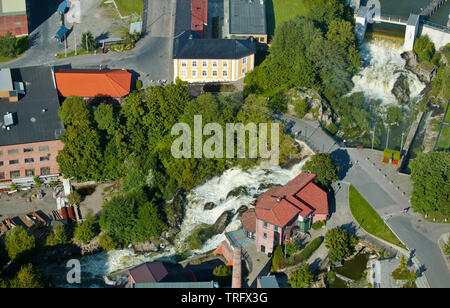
{"x":212,"y":60}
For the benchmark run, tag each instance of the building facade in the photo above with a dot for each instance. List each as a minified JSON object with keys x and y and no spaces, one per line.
{"x":246,"y":18}
{"x":30,"y":136}
{"x":13,"y":17}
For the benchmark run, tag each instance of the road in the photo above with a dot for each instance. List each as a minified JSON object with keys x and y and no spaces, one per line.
{"x":150,"y":59}
{"x":419,"y":236}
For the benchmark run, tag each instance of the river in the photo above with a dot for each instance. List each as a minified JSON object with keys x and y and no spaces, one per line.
{"x":256,"y":181}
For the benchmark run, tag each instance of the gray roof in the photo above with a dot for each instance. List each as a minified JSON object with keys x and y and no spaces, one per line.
{"x":31,"y":123}
{"x":183,"y":17}
{"x":176,"y":285}
{"x":5,"y":80}
{"x":362,"y":11}
{"x":413,"y":19}
{"x":248,"y":17}
{"x":268,"y":282}
{"x":186,"y":46}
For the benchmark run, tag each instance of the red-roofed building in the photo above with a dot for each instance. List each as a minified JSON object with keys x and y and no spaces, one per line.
{"x":199,"y":16}
{"x":297,"y":204}
{"x":90,"y":83}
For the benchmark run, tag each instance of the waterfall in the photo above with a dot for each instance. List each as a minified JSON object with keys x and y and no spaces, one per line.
{"x":382,"y":66}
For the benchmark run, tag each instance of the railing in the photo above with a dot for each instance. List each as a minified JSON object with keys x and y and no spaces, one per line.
{"x":436,"y":26}
{"x":248,"y":260}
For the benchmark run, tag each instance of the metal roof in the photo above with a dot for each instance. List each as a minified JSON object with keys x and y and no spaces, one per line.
{"x":36,"y":113}
{"x":248,"y":17}
{"x":268,"y":282}
{"x":6,"y":83}
{"x":176,"y":285}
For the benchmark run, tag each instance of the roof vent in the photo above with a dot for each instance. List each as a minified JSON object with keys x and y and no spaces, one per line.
{"x":44,"y":110}
{"x":33,"y":120}
{"x":8,"y":119}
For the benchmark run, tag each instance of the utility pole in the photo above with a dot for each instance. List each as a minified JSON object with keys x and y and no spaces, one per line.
{"x":65,"y":45}
{"x":401,"y":147}
{"x":373,"y":137}
{"x":87,"y":46}
{"x":75,"y":37}
{"x":387,"y":138}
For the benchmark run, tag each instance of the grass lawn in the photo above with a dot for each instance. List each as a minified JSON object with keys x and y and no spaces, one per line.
{"x":444,"y":138}
{"x":127,"y":7}
{"x":279,"y":11}
{"x":447,"y":117}
{"x":369,"y":220}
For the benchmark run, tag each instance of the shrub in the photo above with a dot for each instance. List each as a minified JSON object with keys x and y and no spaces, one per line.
{"x":58,"y":236}
{"x":319,"y":224}
{"x":340,"y":244}
{"x":277,"y":259}
{"x":74,"y":198}
{"x":301,"y":108}
{"x":302,"y":277}
{"x":18,"y":242}
{"x":222,"y":275}
{"x":291,"y":248}
{"x":107,"y":243}
{"x":138,"y":84}
{"x":85,"y":231}
{"x":38,"y":181}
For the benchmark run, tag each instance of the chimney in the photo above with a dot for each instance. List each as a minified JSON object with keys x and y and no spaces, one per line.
{"x":237,"y":268}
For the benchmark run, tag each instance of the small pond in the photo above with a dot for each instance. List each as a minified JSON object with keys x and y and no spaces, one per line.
{"x":352,"y":269}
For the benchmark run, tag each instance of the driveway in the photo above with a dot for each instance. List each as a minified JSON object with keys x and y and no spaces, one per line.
{"x":419,"y":236}
{"x":151,"y":59}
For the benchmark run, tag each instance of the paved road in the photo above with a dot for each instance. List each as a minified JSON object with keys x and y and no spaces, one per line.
{"x":151,"y":59}
{"x":419,"y":236}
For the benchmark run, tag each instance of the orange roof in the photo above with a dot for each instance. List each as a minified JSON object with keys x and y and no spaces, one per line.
{"x":199,"y":15}
{"x":279,"y":205}
{"x":93,"y":83}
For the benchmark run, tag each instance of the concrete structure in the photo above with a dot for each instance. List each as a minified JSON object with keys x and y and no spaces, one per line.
{"x":30,"y":142}
{"x":267,"y":282}
{"x":437,"y":34}
{"x":13,"y":17}
{"x":245,"y":19}
{"x":236,"y":282}
{"x":411,"y":31}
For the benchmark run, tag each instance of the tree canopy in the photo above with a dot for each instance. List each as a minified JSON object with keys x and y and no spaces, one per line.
{"x":339,"y":243}
{"x":324,"y":167}
{"x":18,"y":242}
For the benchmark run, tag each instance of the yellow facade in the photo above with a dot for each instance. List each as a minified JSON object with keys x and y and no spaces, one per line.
{"x":13,"y":6}
{"x":260,"y":38}
{"x":213,"y":70}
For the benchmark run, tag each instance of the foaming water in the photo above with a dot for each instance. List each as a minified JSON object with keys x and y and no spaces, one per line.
{"x":256,"y":181}
{"x":381,"y":69}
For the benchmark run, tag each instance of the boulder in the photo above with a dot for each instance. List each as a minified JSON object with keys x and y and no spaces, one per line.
{"x":222,"y":222}
{"x":241,"y":211}
{"x":401,"y":89}
{"x":148,"y":246}
{"x":209,"y":205}
{"x":175,"y":209}
{"x":237,"y":192}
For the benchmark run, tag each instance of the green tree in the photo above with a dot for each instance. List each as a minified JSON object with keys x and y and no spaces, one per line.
{"x":75,"y":109}
{"x":107,"y":243}
{"x":87,"y":41}
{"x":149,"y":223}
{"x":431,"y":188}
{"x":8,"y":45}
{"x":323,"y":166}
{"x":447,"y":247}
{"x":18,"y":243}
{"x":28,"y":278}
{"x":291,"y":248}
{"x":424,"y":48}
{"x":339,"y":243}
{"x":58,"y":236}
{"x":85,"y":231}
{"x":277,"y":258}
{"x":74,"y":198}
{"x":38,"y":181}
{"x":302,"y":277}
{"x":301,"y":108}
{"x":222,"y":275}
{"x":394,"y":115}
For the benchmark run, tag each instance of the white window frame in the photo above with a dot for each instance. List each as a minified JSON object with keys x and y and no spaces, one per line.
{"x":184,"y":73}
{"x":225,"y":73}
{"x":216,"y":72}
{"x":244,"y":60}
{"x":194,"y":73}
{"x":204,"y":75}
{"x":194,"y":63}
{"x":183,"y":63}
{"x":204,"y":63}
{"x":224,"y":63}
{"x":215,"y":63}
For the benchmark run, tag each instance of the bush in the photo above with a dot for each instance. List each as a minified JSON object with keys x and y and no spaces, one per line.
{"x":138,"y":85}
{"x":332,"y":129}
{"x":311,"y":247}
{"x":28,"y":278}
{"x":74,"y":198}
{"x":85,"y":231}
{"x":57,"y":236}
{"x":340,"y":244}
{"x":424,"y":48}
{"x":291,"y":248}
{"x":301,"y":108}
{"x":318,"y":225}
{"x":302,"y":277}
{"x":107,"y":243}
{"x":38,"y":181}
{"x":222,"y":275}
{"x":277,"y":259}
{"x":18,"y":243}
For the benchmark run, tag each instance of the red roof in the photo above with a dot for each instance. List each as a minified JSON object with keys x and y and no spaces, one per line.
{"x":248,"y":220}
{"x":149,"y":272}
{"x":199,"y":15}
{"x":17,"y":25}
{"x":280,"y":204}
{"x":93,"y":83}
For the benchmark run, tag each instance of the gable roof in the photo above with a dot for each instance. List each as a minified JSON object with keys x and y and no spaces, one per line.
{"x":93,"y":83}
{"x":248,"y":220}
{"x":186,"y":46}
{"x":199,"y":15}
{"x":149,"y":272}
{"x":280,"y":204}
